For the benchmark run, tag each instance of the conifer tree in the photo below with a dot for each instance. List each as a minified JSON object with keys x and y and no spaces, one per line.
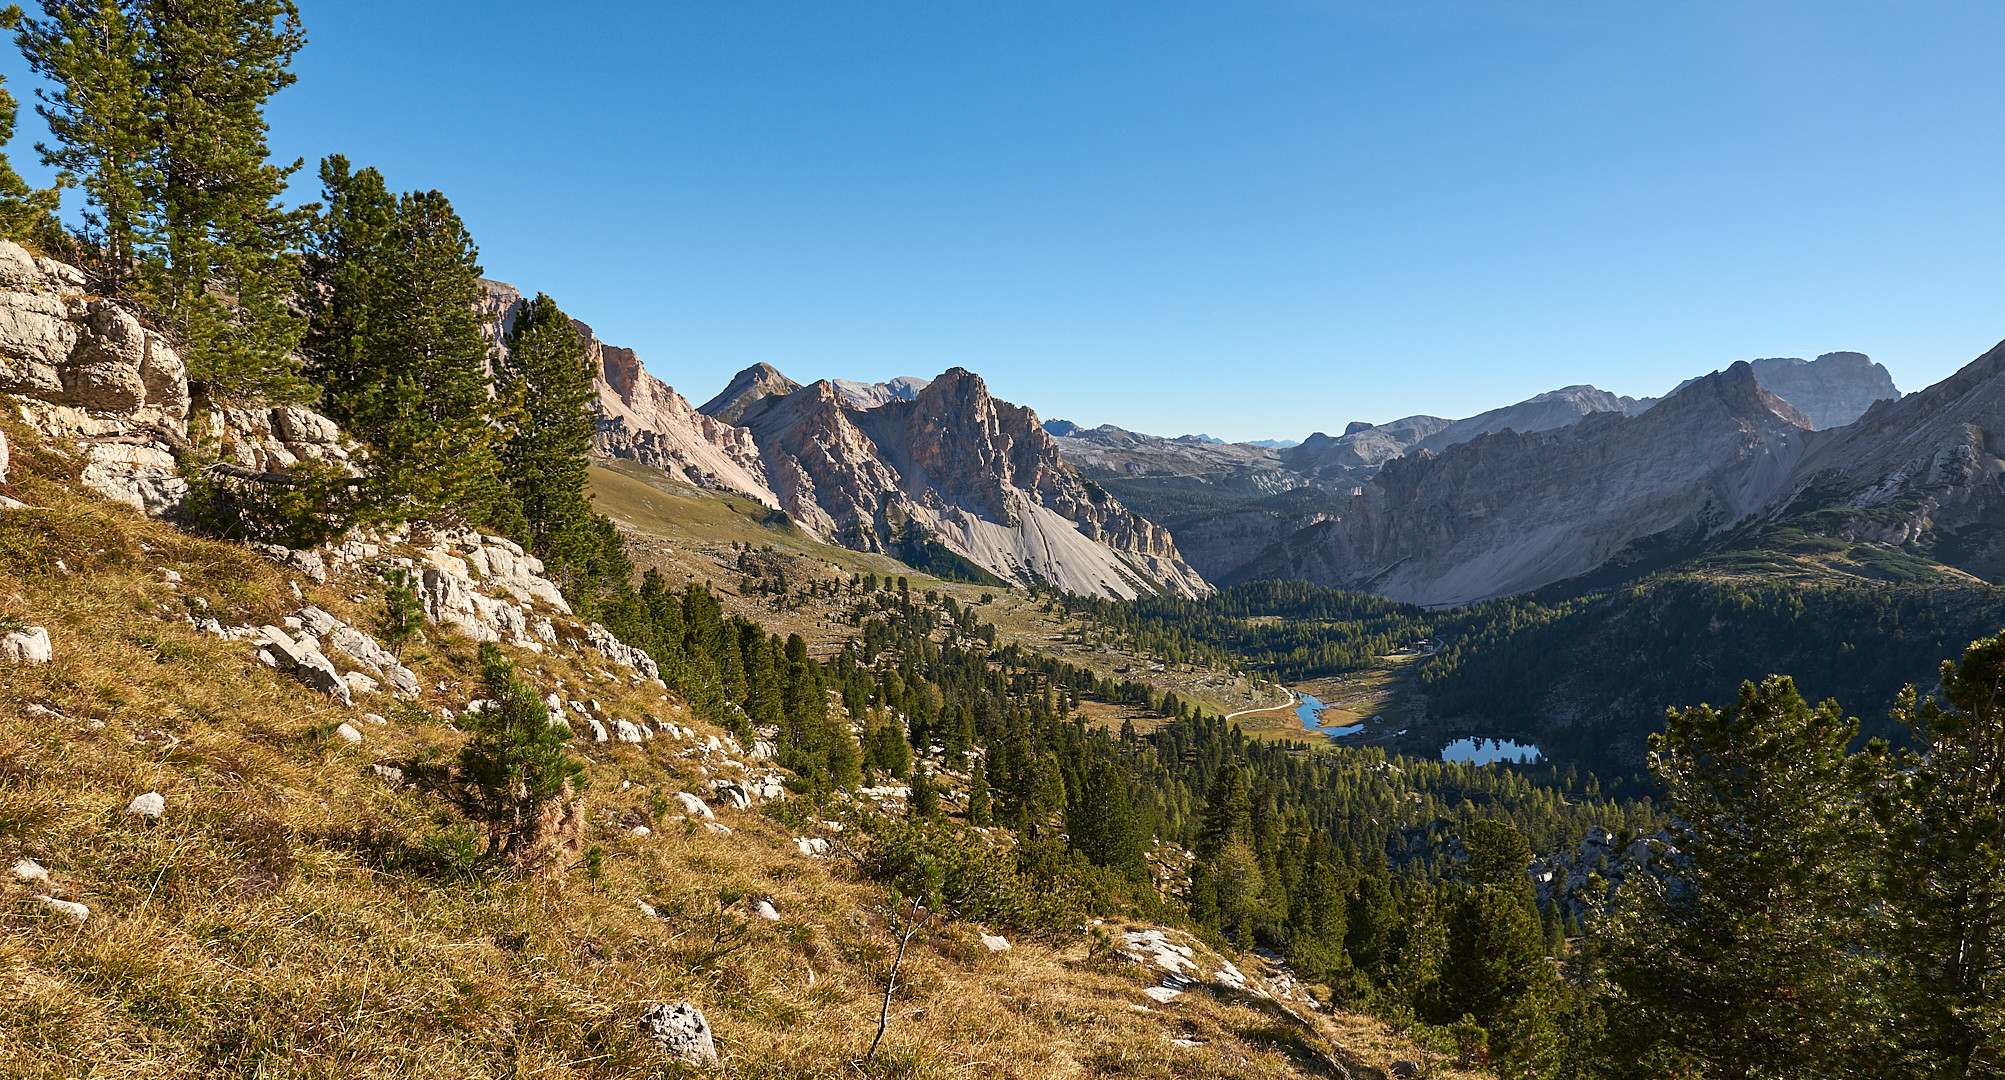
{"x":1942,"y":871}
{"x":1747,"y":967}
{"x":1101,"y":821}
{"x":397,"y":344}
{"x":25,"y":213}
{"x":544,"y":382}
{"x":513,"y":764}
{"x":161,"y":107}
{"x":103,"y":119}
{"x":979,"y":812}
{"x":925,"y":801}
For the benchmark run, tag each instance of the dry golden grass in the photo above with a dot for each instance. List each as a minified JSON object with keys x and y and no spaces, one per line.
{"x":687,"y":533}
{"x":292,"y":915}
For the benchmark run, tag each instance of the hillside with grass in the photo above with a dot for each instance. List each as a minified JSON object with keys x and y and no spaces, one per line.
{"x":298,"y":909}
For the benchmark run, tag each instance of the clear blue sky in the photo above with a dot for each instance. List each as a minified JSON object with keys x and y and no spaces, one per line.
{"x":1254,"y":218}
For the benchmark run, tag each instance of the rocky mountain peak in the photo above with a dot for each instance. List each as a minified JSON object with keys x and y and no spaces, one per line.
{"x":1832,"y":390}
{"x":746,"y":388}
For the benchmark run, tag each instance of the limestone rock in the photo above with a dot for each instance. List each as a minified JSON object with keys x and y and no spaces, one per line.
{"x":30,"y":646}
{"x":614,"y":649}
{"x":359,"y":683}
{"x":104,"y":370}
{"x":304,"y":660}
{"x":364,"y":650}
{"x":953,"y":465}
{"x":165,"y":377}
{"x":995,"y":943}
{"x":1510,"y":512}
{"x":349,"y":734}
{"x":150,"y":805}
{"x":317,"y":622}
{"x":68,"y":909}
{"x":626,"y":732}
{"x":28,"y":870}
{"x":1832,"y":390}
{"x":693,"y":806}
{"x":746,"y":389}
{"x":680,"y":1030}
{"x":765,"y":910}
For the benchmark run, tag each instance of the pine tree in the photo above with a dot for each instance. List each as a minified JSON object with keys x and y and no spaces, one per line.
{"x":1747,"y":967}
{"x":161,"y":106}
{"x":1228,"y":813}
{"x":978,"y":795}
{"x":544,"y":380}
{"x":925,"y":802}
{"x":398,"y":346}
{"x":513,"y":764}
{"x":25,"y":213}
{"x":1942,"y":869}
{"x":103,"y":118}
{"x":1101,"y":822}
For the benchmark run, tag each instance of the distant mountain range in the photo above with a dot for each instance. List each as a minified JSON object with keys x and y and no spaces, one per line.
{"x":1571,"y":486}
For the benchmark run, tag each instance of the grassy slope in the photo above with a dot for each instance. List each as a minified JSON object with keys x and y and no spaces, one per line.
{"x":687,"y":533}
{"x":292,"y":915}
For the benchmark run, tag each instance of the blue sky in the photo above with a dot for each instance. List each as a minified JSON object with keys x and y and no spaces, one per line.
{"x":1254,"y":219}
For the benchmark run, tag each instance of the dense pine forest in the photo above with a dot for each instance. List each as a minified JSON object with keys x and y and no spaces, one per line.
{"x":1794,"y":901}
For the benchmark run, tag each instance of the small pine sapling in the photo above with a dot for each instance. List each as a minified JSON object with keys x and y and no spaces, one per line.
{"x":402,"y":620}
{"x":512,"y":767}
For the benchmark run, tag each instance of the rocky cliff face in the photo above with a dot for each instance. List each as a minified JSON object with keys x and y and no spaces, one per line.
{"x":1832,"y":390}
{"x":871,"y":395}
{"x":1510,"y":512}
{"x":955,"y":465}
{"x":86,"y":370}
{"x":643,"y":419}
{"x":1924,"y":471}
{"x":1357,"y":455}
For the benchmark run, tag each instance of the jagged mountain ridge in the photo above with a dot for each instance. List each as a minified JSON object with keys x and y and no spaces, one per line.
{"x":1922,"y":472}
{"x":955,"y":465}
{"x":1513,"y":511}
{"x":1220,"y":502}
{"x":745,"y":390}
{"x":936,"y":461}
{"x":643,"y":419}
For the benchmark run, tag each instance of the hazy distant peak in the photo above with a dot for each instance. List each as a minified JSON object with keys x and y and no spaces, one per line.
{"x":870,"y":395}
{"x":1832,"y":390}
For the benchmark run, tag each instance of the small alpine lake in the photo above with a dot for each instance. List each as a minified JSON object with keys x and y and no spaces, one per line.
{"x":1477,"y":751}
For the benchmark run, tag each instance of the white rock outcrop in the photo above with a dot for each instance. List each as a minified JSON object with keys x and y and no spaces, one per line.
{"x":681,"y":1031}
{"x":694,"y":806}
{"x":30,"y":646}
{"x":68,"y":909}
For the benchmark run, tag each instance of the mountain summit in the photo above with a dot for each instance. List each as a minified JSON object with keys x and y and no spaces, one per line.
{"x":745,"y":390}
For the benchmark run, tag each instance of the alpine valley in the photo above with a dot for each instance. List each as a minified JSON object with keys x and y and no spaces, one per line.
{"x":398,"y":680}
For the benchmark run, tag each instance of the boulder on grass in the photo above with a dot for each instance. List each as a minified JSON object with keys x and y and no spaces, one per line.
{"x":30,"y":646}
{"x":681,"y":1030}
